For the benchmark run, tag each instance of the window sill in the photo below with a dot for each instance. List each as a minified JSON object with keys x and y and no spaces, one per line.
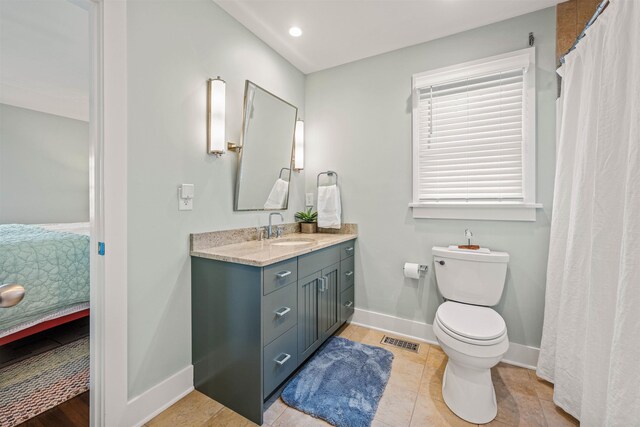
{"x":497,"y":211}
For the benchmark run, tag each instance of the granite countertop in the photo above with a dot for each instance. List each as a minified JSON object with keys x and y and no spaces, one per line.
{"x":260,"y":253}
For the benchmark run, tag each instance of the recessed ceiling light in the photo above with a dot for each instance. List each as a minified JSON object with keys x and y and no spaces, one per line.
{"x":295,"y":31}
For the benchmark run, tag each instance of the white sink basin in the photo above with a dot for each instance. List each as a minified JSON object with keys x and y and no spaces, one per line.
{"x":293,"y":242}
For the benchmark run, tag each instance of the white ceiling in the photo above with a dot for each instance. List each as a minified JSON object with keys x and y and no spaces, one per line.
{"x":45,"y":56}
{"x":339,"y":31}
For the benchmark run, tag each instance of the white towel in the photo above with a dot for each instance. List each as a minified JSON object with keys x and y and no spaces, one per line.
{"x":329,"y":209}
{"x":278,"y":195}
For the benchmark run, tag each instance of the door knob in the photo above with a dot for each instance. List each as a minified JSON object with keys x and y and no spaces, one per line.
{"x":10,"y":294}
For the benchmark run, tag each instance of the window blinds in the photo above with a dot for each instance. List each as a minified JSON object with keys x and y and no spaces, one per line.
{"x":470,"y":138}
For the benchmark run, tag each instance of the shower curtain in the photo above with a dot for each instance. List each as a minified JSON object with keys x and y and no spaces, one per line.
{"x":591,"y":337}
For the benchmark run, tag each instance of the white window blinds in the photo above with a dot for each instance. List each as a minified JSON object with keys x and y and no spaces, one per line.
{"x":470,"y":135}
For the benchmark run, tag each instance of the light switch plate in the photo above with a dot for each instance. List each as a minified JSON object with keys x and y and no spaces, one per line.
{"x":187,"y":191}
{"x":309,"y":199}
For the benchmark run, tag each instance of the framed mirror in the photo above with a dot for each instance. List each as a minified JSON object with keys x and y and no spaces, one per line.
{"x":266,"y":149}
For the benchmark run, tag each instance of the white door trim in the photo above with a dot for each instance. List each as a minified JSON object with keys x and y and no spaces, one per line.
{"x":96,"y":215}
{"x":114,"y":48}
{"x":108,"y":401}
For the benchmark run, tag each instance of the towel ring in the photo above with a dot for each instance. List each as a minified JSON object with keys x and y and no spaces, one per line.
{"x":284,"y":169}
{"x":329,"y":174}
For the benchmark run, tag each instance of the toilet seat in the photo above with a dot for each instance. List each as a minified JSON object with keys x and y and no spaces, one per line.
{"x":471,"y":324}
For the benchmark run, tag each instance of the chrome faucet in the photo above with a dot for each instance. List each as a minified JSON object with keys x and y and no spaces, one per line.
{"x":270,"y":227}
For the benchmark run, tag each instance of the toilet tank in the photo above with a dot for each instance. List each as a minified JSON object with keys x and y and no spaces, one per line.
{"x":472,"y":277}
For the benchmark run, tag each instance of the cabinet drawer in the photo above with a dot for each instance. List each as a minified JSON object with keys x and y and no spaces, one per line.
{"x":279,"y":312}
{"x":316,"y":261}
{"x":347,"y":304}
{"x":280,"y":360}
{"x":346,"y":273}
{"x":279,"y":275}
{"x":347,"y":249}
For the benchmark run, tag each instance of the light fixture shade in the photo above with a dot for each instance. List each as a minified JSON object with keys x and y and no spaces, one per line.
{"x":298,"y":151}
{"x":216,"y":96}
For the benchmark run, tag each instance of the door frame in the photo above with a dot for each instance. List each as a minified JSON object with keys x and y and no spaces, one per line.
{"x":108,"y":212}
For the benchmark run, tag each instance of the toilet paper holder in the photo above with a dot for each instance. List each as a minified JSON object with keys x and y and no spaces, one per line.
{"x":422,"y":268}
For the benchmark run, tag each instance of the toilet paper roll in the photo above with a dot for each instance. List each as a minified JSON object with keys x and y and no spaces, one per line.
{"x":411,"y":270}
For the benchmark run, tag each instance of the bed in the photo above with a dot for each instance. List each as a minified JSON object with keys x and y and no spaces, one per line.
{"x":51,"y":261}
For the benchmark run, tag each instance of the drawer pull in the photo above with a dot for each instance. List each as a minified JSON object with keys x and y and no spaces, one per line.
{"x":282,"y":311}
{"x":349,"y":304}
{"x":349,"y":249}
{"x":282,"y":274}
{"x":283,"y":360}
{"x":349,"y":273}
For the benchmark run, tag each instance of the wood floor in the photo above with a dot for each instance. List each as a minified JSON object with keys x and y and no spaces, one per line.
{"x":72,"y":413}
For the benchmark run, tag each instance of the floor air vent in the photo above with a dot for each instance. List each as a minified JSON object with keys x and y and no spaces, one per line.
{"x":405,"y":345}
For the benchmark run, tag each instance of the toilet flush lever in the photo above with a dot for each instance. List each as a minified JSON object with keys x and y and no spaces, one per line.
{"x":441,"y":262}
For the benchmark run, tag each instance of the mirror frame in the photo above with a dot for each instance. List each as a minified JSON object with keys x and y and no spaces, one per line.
{"x":241,"y":150}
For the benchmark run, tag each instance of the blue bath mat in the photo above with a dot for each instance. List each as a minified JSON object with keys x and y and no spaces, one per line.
{"x":342,"y":383}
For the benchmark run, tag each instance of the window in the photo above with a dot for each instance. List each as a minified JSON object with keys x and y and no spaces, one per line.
{"x":474,"y":140}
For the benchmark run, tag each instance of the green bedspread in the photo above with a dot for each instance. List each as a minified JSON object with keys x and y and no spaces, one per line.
{"x":52,"y":266}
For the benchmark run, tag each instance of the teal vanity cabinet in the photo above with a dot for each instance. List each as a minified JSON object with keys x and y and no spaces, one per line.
{"x":252,"y":327}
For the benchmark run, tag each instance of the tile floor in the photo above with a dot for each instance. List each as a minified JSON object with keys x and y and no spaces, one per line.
{"x":412,"y":397}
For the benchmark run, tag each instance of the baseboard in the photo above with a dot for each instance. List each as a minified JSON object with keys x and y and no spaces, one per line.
{"x":147,"y":405}
{"x":394,"y":325}
{"x":522,"y":355}
{"x":518,"y":354}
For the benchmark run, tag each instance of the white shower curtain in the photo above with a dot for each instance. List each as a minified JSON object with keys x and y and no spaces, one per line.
{"x":591,"y":338}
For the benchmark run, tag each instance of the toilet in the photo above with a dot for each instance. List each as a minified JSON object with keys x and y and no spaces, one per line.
{"x":470,"y":332}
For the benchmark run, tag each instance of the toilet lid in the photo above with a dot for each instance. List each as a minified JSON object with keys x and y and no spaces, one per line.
{"x":471,"y":321}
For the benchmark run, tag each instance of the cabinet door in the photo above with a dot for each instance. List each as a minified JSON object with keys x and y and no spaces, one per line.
{"x":329,"y":301}
{"x":309,"y":338}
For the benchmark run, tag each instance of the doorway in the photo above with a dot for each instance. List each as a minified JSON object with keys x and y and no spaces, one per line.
{"x":50,"y":207}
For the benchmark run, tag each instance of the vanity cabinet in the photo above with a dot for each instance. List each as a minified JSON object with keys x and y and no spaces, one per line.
{"x":253,"y":327}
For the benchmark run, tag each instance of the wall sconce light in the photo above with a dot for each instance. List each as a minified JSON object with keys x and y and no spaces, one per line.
{"x":216,"y":96}
{"x":298,"y":150}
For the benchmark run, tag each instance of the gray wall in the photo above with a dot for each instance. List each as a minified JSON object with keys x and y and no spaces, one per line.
{"x":44,"y":167}
{"x":358,"y":122}
{"x":173,"y":48}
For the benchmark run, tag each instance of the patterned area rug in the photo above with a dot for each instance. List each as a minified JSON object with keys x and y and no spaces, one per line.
{"x":342,"y":383}
{"x":34,"y":385}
